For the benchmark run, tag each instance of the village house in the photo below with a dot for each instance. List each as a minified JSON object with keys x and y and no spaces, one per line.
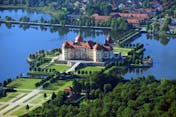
{"x":101,"y":18}
{"x":132,"y":18}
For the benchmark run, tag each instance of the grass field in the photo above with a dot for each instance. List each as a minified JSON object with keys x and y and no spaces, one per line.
{"x":113,"y":68}
{"x":91,"y":68}
{"x":43,"y":65}
{"x":59,"y":67}
{"x":9,"y":96}
{"x":59,"y":85}
{"x":40,"y":73}
{"x":123,"y":51}
{"x":24,"y":83}
{"x":22,"y":110}
{"x":40,"y":99}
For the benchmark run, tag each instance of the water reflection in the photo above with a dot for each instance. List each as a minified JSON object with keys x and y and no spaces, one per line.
{"x":18,"y":13}
{"x":163,"y":54}
{"x":163,"y":39}
{"x":87,"y":33}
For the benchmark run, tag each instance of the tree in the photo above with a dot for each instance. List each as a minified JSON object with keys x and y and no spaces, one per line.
{"x":53,"y":96}
{"x":45,"y":95}
{"x":41,"y":19}
{"x":107,"y":87}
{"x":77,"y":86}
{"x":27,"y":107}
{"x":8,"y":18}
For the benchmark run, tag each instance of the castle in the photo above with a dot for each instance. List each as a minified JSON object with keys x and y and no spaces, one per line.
{"x":87,"y":50}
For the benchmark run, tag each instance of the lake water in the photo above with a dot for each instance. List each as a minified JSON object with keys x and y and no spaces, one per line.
{"x":18,"y":13}
{"x":17,"y":43}
{"x":163,"y":53}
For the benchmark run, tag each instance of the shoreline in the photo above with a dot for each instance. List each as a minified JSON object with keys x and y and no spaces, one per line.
{"x":55,"y":25}
{"x":12,"y":7}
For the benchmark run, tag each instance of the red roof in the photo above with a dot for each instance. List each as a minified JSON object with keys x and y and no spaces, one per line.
{"x":100,"y":18}
{"x":134,"y":15}
{"x":88,"y":44}
{"x":66,"y":45}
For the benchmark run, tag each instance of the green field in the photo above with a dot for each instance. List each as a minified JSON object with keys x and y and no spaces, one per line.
{"x":123,"y":51}
{"x":59,"y":67}
{"x":40,"y":99}
{"x":9,"y":96}
{"x":59,"y":85}
{"x":114,"y":68}
{"x":40,"y":73}
{"x":43,"y":65}
{"x":24,"y":83}
{"x":91,"y":68}
{"x":22,"y":110}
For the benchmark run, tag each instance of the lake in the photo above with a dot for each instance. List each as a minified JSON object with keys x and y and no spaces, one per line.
{"x":18,"y":13}
{"x":17,"y":42}
{"x":163,"y":53}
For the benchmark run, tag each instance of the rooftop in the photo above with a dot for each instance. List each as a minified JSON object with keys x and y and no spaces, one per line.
{"x":79,"y":43}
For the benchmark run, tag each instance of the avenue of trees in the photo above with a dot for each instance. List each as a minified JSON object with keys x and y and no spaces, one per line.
{"x":117,"y":24}
{"x":110,"y":95}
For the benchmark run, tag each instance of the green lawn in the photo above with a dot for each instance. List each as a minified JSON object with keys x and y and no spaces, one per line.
{"x":123,"y":51}
{"x":59,"y":67}
{"x":114,"y":67}
{"x":41,"y":98}
{"x":43,"y":65}
{"x":22,"y":110}
{"x":59,"y":85}
{"x":91,"y":68}
{"x":24,"y":83}
{"x":9,"y":96}
{"x":11,"y":109}
{"x":40,"y":73}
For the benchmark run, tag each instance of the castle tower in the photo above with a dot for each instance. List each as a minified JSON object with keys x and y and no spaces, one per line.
{"x":109,"y":41}
{"x":97,"y":54}
{"x":78,"y":39}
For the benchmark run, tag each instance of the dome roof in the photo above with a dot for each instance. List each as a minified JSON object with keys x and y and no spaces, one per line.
{"x":109,"y":39}
{"x":97,"y":47}
{"x":78,"y":39}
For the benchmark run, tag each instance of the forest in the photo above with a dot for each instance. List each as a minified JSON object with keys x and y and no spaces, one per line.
{"x":109,"y":95}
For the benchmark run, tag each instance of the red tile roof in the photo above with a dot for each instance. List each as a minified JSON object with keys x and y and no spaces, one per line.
{"x":87,"y":44}
{"x":100,"y":18}
{"x":134,"y":15}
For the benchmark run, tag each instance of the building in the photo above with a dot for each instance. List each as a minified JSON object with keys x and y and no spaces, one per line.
{"x":101,"y":18}
{"x":87,"y":50}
